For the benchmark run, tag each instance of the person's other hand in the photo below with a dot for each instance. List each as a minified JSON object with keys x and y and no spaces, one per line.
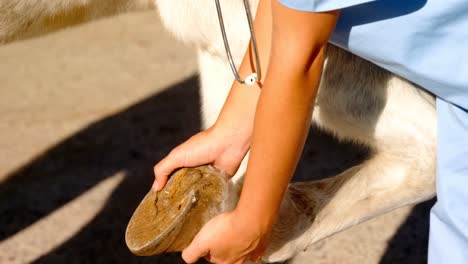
{"x":223,"y":148}
{"x":228,"y":239}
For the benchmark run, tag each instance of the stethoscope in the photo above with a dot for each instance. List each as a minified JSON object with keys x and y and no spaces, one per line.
{"x":255,"y":76}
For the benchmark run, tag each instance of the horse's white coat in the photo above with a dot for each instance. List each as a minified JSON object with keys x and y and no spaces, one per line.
{"x":26,"y":18}
{"x":357,"y":101}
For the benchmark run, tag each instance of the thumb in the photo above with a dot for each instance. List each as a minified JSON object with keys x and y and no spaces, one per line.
{"x":163,"y":169}
{"x":195,"y":251}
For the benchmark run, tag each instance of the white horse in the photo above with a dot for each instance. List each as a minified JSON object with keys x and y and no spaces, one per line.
{"x":357,"y":101}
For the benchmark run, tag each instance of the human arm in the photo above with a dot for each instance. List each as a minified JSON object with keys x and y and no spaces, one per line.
{"x":280,"y":126}
{"x":225,"y":144}
{"x":284,"y":109}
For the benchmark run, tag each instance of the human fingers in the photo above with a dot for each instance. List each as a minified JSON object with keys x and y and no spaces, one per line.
{"x":175,"y":159}
{"x":257,"y":254}
{"x":254,"y":258}
{"x":200,"y":149}
{"x":197,"y":249}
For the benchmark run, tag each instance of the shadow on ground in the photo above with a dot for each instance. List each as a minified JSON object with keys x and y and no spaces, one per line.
{"x":409,"y":244}
{"x":132,"y":141}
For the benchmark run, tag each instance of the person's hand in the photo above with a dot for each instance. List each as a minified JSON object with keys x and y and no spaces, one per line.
{"x":228,"y":238}
{"x":223,"y":148}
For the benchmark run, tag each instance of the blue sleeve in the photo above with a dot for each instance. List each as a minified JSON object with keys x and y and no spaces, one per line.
{"x":448,"y":235}
{"x":321,"y":5}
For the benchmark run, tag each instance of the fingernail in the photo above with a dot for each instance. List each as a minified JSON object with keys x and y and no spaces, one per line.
{"x":155,"y":186}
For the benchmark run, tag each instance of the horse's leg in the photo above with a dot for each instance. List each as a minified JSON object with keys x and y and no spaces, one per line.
{"x":359,"y":101}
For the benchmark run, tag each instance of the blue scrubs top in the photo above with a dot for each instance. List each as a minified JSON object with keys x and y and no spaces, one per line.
{"x":426,"y":42}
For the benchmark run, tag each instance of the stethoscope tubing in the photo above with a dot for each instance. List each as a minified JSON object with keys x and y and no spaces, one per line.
{"x":254,"y":77}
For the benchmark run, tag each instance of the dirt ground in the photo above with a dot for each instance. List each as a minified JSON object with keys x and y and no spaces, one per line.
{"x":86,"y":112}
